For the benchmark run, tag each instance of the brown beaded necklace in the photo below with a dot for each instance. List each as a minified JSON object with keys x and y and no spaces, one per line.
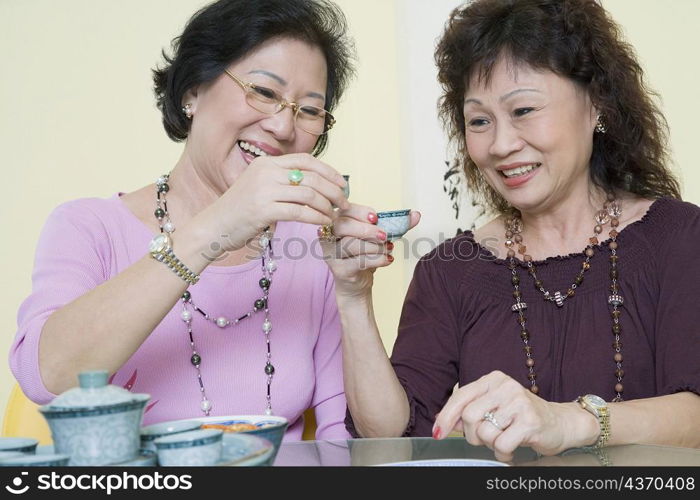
{"x":514,"y":225}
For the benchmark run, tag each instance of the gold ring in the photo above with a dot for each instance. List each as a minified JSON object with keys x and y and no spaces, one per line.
{"x":325,"y":233}
{"x":295,"y":177}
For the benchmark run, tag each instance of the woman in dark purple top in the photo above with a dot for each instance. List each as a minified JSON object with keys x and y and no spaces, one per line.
{"x":570,"y":319}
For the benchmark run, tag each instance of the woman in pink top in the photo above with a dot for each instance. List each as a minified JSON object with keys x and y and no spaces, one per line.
{"x":229,"y":309}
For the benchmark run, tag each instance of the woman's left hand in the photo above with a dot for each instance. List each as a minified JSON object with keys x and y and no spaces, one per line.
{"x":519,"y":418}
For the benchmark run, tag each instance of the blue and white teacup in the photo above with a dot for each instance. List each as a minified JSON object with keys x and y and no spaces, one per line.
{"x":194,"y":448}
{"x":154,"y":431}
{"x":394,"y":223}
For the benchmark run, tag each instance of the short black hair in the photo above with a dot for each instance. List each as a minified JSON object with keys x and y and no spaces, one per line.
{"x":576,"y":39}
{"x":227,"y":30}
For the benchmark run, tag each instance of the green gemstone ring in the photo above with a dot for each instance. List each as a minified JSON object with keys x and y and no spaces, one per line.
{"x":295,"y":177}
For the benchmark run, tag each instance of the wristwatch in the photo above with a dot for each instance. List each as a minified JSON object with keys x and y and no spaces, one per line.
{"x":161,"y":249}
{"x":599,"y":408}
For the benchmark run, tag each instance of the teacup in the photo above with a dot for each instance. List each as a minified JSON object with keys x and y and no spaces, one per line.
{"x":193,"y":448}
{"x":154,"y":431}
{"x":18,"y":444}
{"x":394,"y":223}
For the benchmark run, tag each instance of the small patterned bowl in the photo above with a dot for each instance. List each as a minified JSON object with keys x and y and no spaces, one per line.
{"x":18,"y":444}
{"x":154,"y":431}
{"x":395,"y":223}
{"x":193,"y":448}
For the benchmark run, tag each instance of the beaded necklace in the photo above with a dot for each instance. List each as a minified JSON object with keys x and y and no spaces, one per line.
{"x":514,"y":225}
{"x":269,"y":266}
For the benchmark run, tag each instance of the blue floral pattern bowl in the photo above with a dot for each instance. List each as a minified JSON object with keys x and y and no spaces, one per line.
{"x":269,"y":427}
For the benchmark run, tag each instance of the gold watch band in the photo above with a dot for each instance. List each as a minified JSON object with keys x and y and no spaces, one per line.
{"x":604,"y":421}
{"x":169,"y":259}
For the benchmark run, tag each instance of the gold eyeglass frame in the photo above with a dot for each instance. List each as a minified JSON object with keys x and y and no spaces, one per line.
{"x":248,"y":87}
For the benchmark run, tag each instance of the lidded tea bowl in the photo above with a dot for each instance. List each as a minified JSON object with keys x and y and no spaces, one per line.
{"x":96,"y":423}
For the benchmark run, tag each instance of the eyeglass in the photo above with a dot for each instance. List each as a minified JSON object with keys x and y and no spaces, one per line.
{"x":311,"y":119}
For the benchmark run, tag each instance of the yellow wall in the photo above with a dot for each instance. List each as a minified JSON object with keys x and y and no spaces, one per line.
{"x":77,"y":116}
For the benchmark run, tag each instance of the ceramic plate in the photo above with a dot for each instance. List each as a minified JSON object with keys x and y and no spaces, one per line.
{"x":447,"y":462}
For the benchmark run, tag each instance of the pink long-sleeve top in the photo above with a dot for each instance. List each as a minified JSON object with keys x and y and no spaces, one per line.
{"x":89,"y":241}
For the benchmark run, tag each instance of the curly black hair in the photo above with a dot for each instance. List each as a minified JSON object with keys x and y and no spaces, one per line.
{"x":575,"y":39}
{"x":227,"y":30}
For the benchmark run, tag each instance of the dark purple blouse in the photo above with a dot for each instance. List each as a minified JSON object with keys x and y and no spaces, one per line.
{"x":457,"y":324}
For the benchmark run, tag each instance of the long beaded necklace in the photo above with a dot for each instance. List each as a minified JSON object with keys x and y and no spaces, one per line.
{"x":514,"y":225}
{"x":269,"y":266}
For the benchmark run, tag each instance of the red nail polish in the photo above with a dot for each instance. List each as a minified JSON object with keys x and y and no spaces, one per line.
{"x":390,"y":245}
{"x":381,"y":235}
{"x":372,"y":218}
{"x":437,"y":433}
{"x":390,"y":258}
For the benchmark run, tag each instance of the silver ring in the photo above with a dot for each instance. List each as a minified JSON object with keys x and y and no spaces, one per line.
{"x":489,"y":417}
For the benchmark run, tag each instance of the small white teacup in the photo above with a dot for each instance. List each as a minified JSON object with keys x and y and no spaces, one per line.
{"x":193,"y":448}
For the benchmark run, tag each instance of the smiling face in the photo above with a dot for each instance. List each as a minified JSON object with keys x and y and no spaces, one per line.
{"x":530,"y":133}
{"x":227,"y":134}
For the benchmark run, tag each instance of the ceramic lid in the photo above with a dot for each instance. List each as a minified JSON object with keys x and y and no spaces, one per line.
{"x":93,"y":391}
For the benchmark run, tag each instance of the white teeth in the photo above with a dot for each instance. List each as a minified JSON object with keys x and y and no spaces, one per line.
{"x":252,"y":149}
{"x":514,"y":172}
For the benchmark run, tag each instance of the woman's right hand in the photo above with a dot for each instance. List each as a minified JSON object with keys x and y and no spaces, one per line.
{"x":263,"y":195}
{"x":360,"y":249}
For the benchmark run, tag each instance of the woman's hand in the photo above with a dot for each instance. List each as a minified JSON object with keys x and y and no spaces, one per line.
{"x":519,"y":418}
{"x":263,"y":195}
{"x":360,"y":249}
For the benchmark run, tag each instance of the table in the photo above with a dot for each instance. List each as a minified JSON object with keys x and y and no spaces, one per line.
{"x":365,"y":452}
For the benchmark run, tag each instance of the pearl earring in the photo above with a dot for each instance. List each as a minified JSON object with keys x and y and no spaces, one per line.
{"x":187,"y":109}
